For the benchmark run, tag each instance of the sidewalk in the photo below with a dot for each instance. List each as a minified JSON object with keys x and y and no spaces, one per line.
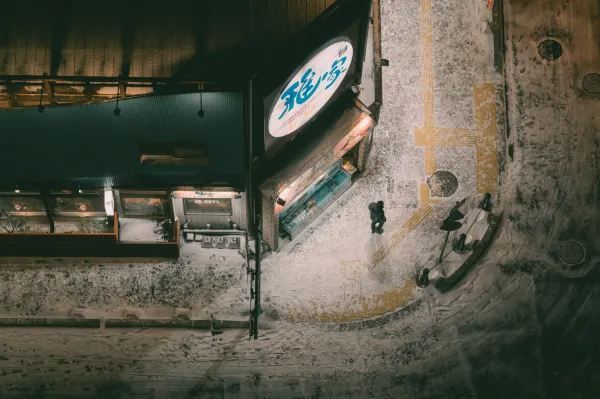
{"x":439,"y":114}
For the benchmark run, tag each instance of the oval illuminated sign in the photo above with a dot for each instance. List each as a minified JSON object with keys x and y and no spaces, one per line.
{"x":310,"y":88}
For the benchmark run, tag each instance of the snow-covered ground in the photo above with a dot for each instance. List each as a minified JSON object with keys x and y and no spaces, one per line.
{"x":521,"y":325}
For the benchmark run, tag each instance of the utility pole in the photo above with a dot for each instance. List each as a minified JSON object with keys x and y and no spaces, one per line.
{"x":255,"y":282}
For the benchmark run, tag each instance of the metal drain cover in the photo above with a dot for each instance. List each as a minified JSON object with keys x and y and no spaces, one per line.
{"x":550,"y":50}
{"x":442,"y":183}
{"x":571,"y":252}
{"x":591,"y":84}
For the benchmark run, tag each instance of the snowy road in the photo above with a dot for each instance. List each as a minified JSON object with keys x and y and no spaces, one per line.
{"x":523,"y":324}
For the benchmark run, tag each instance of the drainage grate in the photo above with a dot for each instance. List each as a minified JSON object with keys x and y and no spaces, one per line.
{"x":571,"y":252}
{"x":442,"y":183}
{"x":591,"y":84}
{"x":550,"y":50}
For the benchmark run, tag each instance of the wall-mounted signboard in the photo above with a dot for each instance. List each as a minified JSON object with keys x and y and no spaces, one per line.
{"x":203,"y":206}
{"x":144,"y":204}
{"x":310,"y":88}
{"x":310,"y":74}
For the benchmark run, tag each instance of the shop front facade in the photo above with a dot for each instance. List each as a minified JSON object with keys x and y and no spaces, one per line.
{"x":144,"y":176}
{"x":317,"y":123}
{"x":192,"y":160}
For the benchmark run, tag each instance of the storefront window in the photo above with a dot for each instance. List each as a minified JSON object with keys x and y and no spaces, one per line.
{"x":144,"y":205}
{"x":212,"y":206}
{"x":22,"y":205}
{"x":78,"y":205}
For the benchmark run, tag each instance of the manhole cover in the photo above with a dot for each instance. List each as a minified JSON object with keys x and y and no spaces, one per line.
{"x":571,"y":252}
{"x":591,"y":84}
{"x":550,"y":50}
{"x":442,"y":183}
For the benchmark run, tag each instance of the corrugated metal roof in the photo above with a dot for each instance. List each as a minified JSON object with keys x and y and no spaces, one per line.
{"x":89,"y":145}
{"x":151,"y":38}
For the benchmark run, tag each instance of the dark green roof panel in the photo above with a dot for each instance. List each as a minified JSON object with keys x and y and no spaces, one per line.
{"x":89,"y":145}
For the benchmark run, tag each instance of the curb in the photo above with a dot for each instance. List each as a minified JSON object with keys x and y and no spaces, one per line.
{"x":378,"y":321}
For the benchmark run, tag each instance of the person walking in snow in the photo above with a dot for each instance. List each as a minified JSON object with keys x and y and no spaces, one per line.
{"x":377,"y":217}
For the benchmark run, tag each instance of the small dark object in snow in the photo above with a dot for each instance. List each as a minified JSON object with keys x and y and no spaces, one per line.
{"x":486,"y":202}
{"x":423,"y":278}
{"x":450,"y":225}
{"x":164,"y":228}
{"x":459,"y":245}
{"x":377,"y":216}
{"x":550,"y":50}
{"x":442,"y":183}
{"x":455,"y":214}
{"x":591,"y":84}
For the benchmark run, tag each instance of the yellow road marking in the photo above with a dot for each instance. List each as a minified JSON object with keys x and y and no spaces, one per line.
{"x":427,"y":61}
{"x":413,"y":221}
{"x":375,"y":304}
{"x":482,"y":137}
{"x":362,"y":308}
{"x":487,"y":147}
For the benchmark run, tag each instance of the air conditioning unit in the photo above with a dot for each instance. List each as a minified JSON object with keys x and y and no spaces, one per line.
{"x":207,"y":242}
{"x":233,"y":242}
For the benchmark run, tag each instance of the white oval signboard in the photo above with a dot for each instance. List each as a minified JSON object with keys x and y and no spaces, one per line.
{"x":310,"y":88}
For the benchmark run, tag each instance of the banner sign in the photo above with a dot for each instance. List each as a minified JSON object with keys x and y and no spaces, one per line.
{"x":310,"y":88}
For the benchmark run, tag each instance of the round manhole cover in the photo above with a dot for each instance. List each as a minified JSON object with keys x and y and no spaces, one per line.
{"x":442,"y":183}
{"x":550,"y":50}
{"x":591,"y":84}
{"x":571,"y":252}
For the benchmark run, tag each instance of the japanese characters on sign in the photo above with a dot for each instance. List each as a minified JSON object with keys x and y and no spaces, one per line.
{"x":310,"y":88}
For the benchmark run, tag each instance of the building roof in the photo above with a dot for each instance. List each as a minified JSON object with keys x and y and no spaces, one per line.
{"x":137,"y":43}
{"x":88,"y":145}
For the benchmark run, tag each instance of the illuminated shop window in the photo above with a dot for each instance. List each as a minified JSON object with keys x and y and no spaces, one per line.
{"x":203,"y":206}
{"x":144,"y":205}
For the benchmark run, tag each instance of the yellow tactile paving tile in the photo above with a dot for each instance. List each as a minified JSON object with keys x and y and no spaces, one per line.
{"x":455,"y":137}
{"x":427,"y":61}
{"x":429,"y":160}
{"x":424,"y":198}
{"x":487,"y":147}
{"x":423,"y":136}
{"x":423,"y":194}
{"x":413,"y":221}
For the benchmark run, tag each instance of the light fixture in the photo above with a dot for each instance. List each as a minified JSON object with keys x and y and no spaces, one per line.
{"x":109,"y":203}
{"x":17,"y":189}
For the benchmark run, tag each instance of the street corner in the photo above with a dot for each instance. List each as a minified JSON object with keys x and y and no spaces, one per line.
{"x":356,"y":306}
